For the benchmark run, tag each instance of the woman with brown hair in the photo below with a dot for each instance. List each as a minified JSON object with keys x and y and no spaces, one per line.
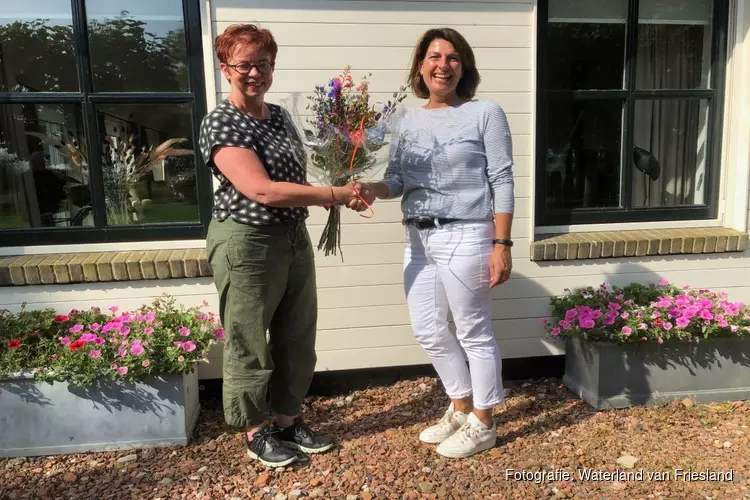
{"x":260,"y":253}
{"x":452,"y":164}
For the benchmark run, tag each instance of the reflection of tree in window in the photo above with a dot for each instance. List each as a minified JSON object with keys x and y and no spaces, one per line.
{"x":125,"y":56}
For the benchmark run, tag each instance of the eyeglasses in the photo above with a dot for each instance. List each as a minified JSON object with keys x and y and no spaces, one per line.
{"x":244,"y":68}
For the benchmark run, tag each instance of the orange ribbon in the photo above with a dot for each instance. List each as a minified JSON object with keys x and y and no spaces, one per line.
{"x":356,"y":137}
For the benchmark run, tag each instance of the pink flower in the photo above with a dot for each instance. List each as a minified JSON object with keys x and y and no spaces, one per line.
{"x":64,"y":340}
{"x":587,"y":324}
{"x":668,"y":325}
{"x":571,"y":313}
{"x":122,"y":352}
{"x":656,"y":314}
{"x":114,"y":366}
{"x":150,"y":317}
{"x":219,"y":334}
{"x":184,"y":331}
{"x":543,"y":321}
{"x":609,"y":320}
{"x":614,"y":306}
{"x":113,"y":308}
{"x":205,"y":303}
{"x":148,"y":330}
{"x":146,"y":363}
{"x":660,"y":340}
{"x":706,"y":314}
{"x":136,"y":350}
{"x":95,"y":327}
{"x":89,"y":337}
{"x":555,"y":331}
{"x":643,"y":326}
{"x":625,"y":315}
{"x":123,"y":370}
{"x":76,"y":328}
{"x":124,"y":331}
{"x":663,"y":282}
{"x":95,"y":354}
{"x":627,"y":331}
{"x":682,"y":322}
{"x":188,"y":346}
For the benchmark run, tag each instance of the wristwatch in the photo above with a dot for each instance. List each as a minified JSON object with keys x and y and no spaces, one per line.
{"x":501,"y":241}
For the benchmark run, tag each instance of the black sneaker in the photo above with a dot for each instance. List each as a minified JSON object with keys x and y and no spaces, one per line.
{"x":266,"y":447}
{"x":302,"y":437}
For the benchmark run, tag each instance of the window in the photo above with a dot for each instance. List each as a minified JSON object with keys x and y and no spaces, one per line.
{"x":99,"y":115}
{"x":630,"y":105}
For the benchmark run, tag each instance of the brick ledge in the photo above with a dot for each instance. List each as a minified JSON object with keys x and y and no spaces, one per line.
{"x":97,"y":267}
{"x":640,"y":243}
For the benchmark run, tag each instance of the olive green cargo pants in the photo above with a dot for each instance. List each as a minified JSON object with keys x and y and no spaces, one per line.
{"x":265,"y":277}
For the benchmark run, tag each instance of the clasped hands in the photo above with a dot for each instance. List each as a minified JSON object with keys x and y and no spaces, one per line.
{"x":353,"y":194}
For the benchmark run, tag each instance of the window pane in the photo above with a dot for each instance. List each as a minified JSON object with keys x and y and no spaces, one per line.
{"x":586,"y":44}
{"x":163,"y":189}
{"x":670,"y":153}
{"x":43,"y":171}
{"x":674,"y":44}
{"x":36,"y":47}
{"x":583,"y":154}
{"x":139,"y":49}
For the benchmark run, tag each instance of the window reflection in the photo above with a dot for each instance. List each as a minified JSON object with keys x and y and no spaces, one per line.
{"x":159,"y":183}
{"x":137,"y":49}
{"x":36,"y":47}
{"x":44,"y":179}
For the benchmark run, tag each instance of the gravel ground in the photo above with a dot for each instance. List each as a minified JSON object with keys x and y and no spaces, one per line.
{"x":542,"y":428}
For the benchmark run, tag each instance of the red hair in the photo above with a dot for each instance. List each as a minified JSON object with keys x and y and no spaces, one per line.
{"x":250,"y":34}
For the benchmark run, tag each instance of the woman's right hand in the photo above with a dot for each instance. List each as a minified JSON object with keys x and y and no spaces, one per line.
{"x":350,"y":194}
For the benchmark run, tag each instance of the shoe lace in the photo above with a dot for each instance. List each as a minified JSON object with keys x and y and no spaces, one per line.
{"x":468,"y":433}
{"x":271,"y":436}
{"x":304,"y":430}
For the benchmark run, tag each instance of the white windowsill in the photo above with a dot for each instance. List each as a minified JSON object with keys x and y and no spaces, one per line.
{"x":631,"y":226}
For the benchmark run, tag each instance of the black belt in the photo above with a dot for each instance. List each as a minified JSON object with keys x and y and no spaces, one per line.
{"x":425,"y":223}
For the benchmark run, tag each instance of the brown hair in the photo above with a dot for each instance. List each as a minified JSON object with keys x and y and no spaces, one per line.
{"x":467,"y":85}
{"x":227,"y":42}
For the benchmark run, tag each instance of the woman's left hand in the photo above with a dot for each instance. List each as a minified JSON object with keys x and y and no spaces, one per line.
{"x":501,"y":264}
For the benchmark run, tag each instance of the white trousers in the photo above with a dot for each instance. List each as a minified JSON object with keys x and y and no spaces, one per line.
{"x":447,"y":268}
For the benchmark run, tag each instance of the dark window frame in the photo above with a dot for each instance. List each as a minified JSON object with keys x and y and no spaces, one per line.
{"x":714,"y":94}
{"x":87,"y":98}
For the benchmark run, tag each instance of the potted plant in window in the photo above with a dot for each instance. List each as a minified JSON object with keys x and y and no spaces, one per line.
{"x":95,"y":381}
{"x":123,"y":165}
{"x":650,"y":344}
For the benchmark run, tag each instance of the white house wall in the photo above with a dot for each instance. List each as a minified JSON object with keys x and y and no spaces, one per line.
{"x":363,"y":316}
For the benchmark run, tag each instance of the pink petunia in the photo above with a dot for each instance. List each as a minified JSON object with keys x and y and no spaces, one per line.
{"x":95,"y":354}
{"x":148,"y":330}
{"x":588,"y":324}
{"x":219,"y":334}
{"x":555,"y":331}
{"x":150,"y":317}
{"x":146,"y":363}
{"x":113,"y":308}
{"x":136,"y":350}
{"x":64,"y":340}
{"x":124,"y":331}
{"x":95,"y":327}
{"x":682,"y":322}
{"x":668,"y":325}
{"x":184,"y":331}
{"x":123,"y":370}
{"x":625,"y":315}
{"x":627,"y":331}
{"x":76,"y":328}
{"x":660,"y":340}
{"x":188,"y":346}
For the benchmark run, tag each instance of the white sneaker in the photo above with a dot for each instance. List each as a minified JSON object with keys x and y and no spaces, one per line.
{"x":473,"y":437}
{"x":447,"y":426}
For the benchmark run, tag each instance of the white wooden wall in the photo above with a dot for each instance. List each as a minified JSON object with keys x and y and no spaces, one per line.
{"x":363,"y":316}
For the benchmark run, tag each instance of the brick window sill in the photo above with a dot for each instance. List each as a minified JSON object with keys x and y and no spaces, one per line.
{"x":642,"y":243}
{"x":98,"y":267}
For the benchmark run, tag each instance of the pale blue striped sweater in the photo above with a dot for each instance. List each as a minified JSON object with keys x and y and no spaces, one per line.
{"x":453,"y":162}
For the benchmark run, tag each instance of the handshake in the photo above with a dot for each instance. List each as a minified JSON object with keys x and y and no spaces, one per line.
{"x":356,"y":195}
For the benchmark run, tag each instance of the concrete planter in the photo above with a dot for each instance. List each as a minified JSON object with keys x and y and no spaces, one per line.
{"x":608,"y":375}
{"x":42,"y":419}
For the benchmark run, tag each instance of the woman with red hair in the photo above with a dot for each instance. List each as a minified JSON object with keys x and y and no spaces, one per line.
{"x":261,"y":255}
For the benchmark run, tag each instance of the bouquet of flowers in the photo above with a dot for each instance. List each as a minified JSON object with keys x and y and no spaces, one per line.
{"x":339,"y":133}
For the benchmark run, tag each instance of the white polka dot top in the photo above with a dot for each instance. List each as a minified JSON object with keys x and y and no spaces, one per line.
{"x":227,"y":125}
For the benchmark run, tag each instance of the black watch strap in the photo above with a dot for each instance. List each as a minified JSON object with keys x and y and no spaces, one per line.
{"x":501,"y":241}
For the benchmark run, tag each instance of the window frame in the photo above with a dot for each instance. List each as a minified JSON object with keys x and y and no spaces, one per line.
{"x":629,"y":94}
{"x":88,"y":99}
